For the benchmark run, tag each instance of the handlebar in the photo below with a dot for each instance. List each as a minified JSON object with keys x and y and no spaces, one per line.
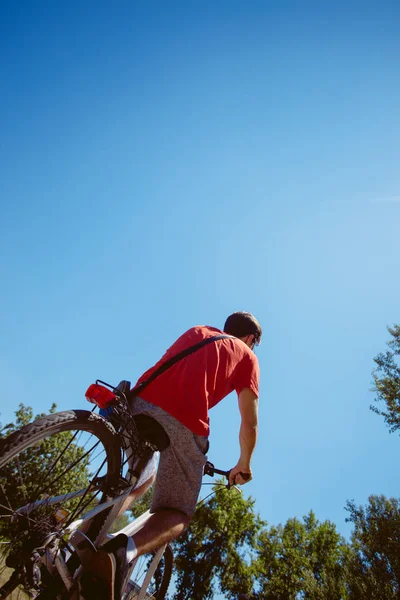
{"x":210,"y":470}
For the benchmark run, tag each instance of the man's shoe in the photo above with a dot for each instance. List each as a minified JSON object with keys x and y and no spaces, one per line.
{"x":93,"y":587}
{"x":99,"y":569}
{"x":105,"y":570}
{"x":117,"y":548}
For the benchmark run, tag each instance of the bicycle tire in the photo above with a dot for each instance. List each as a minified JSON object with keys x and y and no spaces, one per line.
{"x":166,"y":564}
{"x":29,"y":437}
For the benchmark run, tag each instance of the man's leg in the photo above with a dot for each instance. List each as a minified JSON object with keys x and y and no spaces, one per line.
{"x":135,"y":494}
{"x":105,"y":580}
{"x":161,"y":527}
{"x":177,"y":484}
{"x":175,"y":495}
{"x":106,"y":572}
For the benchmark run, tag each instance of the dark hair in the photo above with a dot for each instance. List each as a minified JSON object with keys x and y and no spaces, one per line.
{"x":241,"y":324}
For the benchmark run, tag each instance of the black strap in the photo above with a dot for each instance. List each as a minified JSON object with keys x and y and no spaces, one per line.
{"x":173,"y":360}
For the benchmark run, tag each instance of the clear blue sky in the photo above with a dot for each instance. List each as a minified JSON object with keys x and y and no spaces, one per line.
{"x":165,"y":164}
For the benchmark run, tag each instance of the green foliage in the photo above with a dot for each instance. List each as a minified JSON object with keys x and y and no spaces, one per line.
{"x":302,"y":559}
{"x":387,"y":381}
{"x":374,"y":566}
{"x":217,"y":550}
{"x":229,"y":548}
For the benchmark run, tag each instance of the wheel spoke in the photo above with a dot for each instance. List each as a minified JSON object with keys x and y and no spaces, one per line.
{"x":79,"y":507}
{"x":59,"y":457}
{"x":70,"y":467}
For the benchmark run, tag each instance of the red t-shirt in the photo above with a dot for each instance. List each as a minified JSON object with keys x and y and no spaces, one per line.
{"x":192,"y":386}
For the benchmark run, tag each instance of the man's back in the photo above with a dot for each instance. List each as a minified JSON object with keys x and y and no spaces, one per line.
{"x":201,"y":380}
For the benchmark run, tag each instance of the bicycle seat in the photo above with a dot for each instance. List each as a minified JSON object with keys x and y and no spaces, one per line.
{"x":124,"y":386}
{"x":151,"y":431}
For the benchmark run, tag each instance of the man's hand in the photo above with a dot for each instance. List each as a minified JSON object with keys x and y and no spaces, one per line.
{"x":240,"y":474}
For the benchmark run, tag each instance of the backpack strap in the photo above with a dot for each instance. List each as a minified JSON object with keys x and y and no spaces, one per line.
{"x":173,"y":360}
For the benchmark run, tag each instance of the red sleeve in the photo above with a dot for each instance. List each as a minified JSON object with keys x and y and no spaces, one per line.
{"x":247,"y":374}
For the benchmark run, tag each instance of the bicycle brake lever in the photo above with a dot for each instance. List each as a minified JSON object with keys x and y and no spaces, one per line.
{"x":209,"y":469}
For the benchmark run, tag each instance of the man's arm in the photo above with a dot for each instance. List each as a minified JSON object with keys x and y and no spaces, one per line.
{"x":248,"y":406}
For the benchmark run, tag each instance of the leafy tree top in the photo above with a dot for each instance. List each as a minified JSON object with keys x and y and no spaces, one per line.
{"x":387,"y":381}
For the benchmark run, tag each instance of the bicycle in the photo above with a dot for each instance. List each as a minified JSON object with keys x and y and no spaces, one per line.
{"x":41,"y":530}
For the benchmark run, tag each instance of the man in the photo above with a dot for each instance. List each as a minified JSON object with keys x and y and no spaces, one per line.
{"x":179,"y":399}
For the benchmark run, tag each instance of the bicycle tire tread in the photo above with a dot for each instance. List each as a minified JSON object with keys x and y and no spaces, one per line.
{"x":31,"y":430}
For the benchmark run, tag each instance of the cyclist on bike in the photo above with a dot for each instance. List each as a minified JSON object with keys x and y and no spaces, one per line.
{"x":179,"y":401}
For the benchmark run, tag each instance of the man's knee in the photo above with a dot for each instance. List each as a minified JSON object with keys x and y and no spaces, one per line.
{"x":185,"y":519}
{"x":175,"y":518}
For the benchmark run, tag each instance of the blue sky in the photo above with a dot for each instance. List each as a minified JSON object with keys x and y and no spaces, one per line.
{"x":164,"y":165}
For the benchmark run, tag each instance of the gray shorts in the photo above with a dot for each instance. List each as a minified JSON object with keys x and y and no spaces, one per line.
{"x":180,"y":470}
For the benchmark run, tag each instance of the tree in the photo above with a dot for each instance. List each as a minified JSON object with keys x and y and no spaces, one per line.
{"x":387,"y":381}
{"x":374,"y":566}
{"x":228,"y":547}
{"x":302,"y":559}
{"x":217,"y":550}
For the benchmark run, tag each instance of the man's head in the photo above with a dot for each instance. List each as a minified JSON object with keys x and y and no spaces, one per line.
{"x":244,"y":326}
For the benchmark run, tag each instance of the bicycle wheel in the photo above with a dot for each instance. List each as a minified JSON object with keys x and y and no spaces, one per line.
{"x":158,"y":584}
{"x":48,"y":471}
